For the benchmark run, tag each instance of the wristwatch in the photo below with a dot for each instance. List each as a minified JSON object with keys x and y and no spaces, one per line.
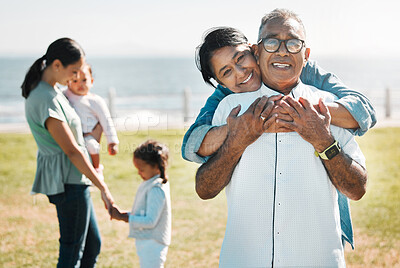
{"x":329,"y":152}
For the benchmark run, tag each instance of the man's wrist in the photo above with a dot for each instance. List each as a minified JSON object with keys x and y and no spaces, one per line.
{"x":323,"y":143}
{"x":234,"y":146}
{"x":330,"y":152}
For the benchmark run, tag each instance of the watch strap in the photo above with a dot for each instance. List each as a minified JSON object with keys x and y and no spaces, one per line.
{"x":333,"y":150}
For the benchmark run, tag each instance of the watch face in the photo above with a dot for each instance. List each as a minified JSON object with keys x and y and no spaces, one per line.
{"x":331,"y":152}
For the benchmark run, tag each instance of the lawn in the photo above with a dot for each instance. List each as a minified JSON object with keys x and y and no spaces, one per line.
{"x":29,"y":227}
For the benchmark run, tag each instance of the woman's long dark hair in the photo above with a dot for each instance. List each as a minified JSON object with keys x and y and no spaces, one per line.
{"x":155,"y":154}
{"x":65,"y":49}
{"x":216,"y":38}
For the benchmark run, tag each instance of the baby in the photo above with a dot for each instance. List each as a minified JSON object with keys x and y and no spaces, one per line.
{"x":92,"y":110}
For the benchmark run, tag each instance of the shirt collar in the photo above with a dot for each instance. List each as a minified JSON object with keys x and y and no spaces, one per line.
{"x":295,"y":93}
{"x":225,"y":90}
{"x":149,"y":181}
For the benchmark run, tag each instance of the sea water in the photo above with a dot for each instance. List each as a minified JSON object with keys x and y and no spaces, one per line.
{"x":149,"y":92}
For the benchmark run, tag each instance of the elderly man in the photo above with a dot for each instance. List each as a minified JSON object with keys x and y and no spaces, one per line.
{"x":282,"y":199}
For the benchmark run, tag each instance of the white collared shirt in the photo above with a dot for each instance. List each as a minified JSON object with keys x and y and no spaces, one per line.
{"x":282,"y":207}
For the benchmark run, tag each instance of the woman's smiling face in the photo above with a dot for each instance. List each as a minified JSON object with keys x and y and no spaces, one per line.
{"x":236,"y":68}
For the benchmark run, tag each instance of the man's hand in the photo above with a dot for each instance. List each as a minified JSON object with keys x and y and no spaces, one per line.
{"x":279,"y":113}
{"x":243,"y":130}
{"x":312,"y":125}
{"x":346,"y":175}
{"x":257,"y":119}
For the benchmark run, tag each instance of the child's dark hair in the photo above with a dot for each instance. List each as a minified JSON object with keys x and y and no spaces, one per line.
{"x":155,"y":154}
{"x":216,"y":38}
{"x":65,"y":49}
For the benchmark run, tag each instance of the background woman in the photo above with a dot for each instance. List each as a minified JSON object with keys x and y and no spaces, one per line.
{"x":64,"y":171}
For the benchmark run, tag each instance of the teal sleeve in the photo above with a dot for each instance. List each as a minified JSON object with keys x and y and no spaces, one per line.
{"x":50,"y":108}
{"x":197,"y":131}
{"x":359,"y":106}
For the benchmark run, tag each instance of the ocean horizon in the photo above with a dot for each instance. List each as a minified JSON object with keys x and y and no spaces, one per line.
{"x":149,"y":92}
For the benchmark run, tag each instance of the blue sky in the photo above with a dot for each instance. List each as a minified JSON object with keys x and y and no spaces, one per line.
{"x":174,"y":28}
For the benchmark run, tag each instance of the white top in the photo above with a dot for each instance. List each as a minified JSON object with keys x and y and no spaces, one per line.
{"x":92,"y":109}
{"x":282,"y":207}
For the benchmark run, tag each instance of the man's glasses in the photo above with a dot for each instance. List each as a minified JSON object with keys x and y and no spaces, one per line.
{"x":272,"y":45}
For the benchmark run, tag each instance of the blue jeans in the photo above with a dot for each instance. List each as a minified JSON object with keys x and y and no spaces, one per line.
{"x":80,"y":240}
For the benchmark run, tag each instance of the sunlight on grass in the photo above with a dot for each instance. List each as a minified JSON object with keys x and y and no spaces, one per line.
{"x":29,"y":227}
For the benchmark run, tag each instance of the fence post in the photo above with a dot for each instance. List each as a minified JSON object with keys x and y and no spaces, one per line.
{"x":387,"y":103}
{"x":111,"y":101}
{"x":186,"y":102}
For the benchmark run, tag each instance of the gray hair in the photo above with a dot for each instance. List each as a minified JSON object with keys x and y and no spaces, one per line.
{"x":279,"y":13}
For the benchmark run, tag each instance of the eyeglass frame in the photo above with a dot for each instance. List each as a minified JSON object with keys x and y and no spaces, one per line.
{"x":303,"y":44}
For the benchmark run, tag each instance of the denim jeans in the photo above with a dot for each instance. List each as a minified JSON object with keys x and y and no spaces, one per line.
{"x":80,"y":240}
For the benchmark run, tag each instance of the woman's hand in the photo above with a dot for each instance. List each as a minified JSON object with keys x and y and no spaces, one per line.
{"x":107,"y":199}
{"x":118,"y":214}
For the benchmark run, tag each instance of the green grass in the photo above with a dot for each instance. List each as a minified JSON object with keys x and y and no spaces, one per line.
{"x":29,"y":227}
{"x":376,"y":216}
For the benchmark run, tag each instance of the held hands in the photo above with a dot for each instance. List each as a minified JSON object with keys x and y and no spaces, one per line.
{"x":115,"y":212}
{"x":278,"y":113}
{"x":118,"y":214}
{"x":246,"y":128}
{"x":311,"y":123}
{"x":281,"y":114}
